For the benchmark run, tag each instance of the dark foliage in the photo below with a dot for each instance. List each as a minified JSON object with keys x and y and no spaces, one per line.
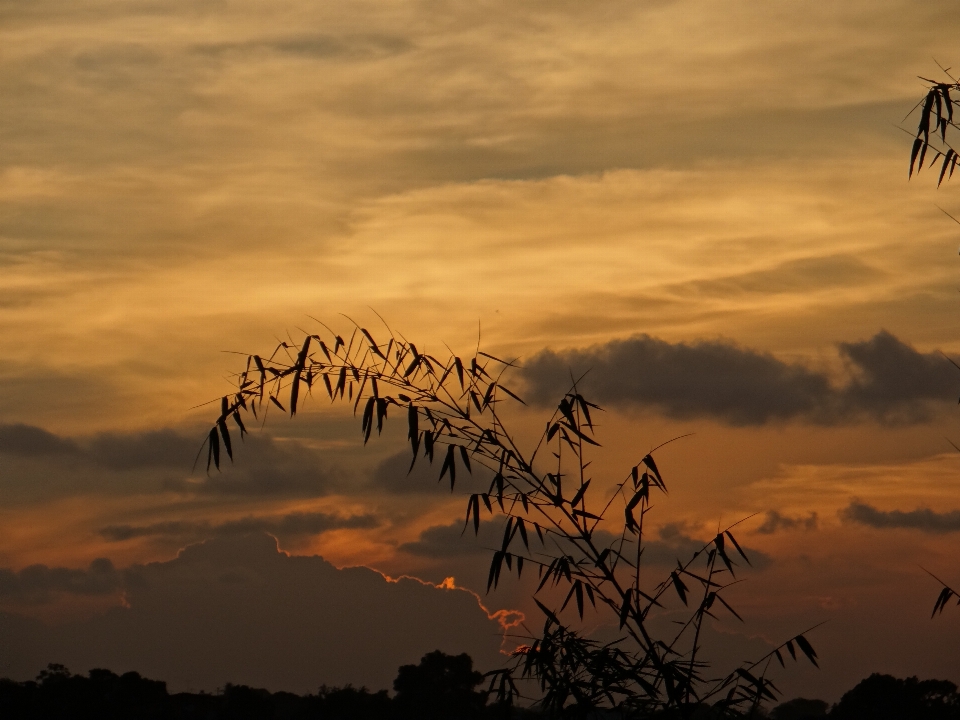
{"x":800,"y":709}
{"x":883,"y":697}
{"x":440,"y":686}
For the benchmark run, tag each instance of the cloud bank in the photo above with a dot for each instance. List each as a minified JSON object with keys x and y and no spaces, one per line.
{"x":888,"y":381}
{"x":163,"y":460}
{"x":450,"y":541}
{"x":236,"y":609}
{"x":923,"y":519}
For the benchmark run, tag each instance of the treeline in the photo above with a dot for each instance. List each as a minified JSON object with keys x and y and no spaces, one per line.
{"x":441,"y":687}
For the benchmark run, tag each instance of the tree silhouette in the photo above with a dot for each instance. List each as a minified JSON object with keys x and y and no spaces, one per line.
{"x":883,"y":697}
{"x":586,"y":551}
{"x":800,"y":709}
{"x":441,"y":687}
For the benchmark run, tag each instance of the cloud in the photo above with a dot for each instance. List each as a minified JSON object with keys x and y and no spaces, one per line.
{"x":292,"y":525}
{"x":393,"y":475}
{"x":889,"y":381}
{"x":313,"y":46}
{"x":923,"y":519}
{"x":157,"y":448}
{"x":775,"y":521}
{"x":238,"y":610}
{"x":456,"y":540}
{"x":32,"y":441}
{"x":40,"y":584}
{"x":793,"y":276}
{"x":450,"y":541}
{"x":163,"y":460}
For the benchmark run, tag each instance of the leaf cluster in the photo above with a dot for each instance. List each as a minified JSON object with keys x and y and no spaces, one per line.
{"x":936,"y":117}
{"x":552,"y":516}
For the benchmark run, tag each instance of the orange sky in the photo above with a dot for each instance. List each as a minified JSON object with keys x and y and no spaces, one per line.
{"x":178,"y":180}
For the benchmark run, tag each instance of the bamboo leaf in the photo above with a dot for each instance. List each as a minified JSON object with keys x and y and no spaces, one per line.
{"x":737,"y":546}
{"x":213,"y":452}
{"x":679,"y":586}
{"x":807,"y":649}
{"x":648,"y":461}
{"x":449,"y":466}
{"x":466,"y":458}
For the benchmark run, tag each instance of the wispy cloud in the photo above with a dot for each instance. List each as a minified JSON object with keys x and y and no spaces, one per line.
{"x":672,"y":544}
{"x":775,"y":521}
{"x":286,"y":526}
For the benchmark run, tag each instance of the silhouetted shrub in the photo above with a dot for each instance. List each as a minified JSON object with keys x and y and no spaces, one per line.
{"x":441,"y":687}
{"x":883,"y":697}
{"x":800,"y":709}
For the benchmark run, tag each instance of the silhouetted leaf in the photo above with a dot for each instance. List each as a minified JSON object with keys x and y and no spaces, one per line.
{"x":413,"y":429}
{"x":473,"y":506}
{"x":942,"y":601}
{"x":239,"y":421}
{"x":494,"y":576}
{"x":373,"y":343}
{"x":580,"y":493}
{"x":449,"y":466}
{"x":213,"y":452}
{"x":511,"y":394}
{"x":807,"y":649}
{"x":727,"y":606}
{"x":917,"y":144}
{"x":648,"y":461}
{"x":523,"y":532}
{"x":737,"y":546}
{"x":551,"y":617}
{"x":625,"y":607}
{"x":225,"y":433}
{"x":297,"y":370}
{"x":679,"y":586}
{"x":367,"y":420}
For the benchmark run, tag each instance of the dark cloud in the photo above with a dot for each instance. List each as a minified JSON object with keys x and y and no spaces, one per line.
{"x":394,"y":475}
{"x":296,"y":524}
{"x":890,"y":377}
{"x":774,"y":521}
{"x":889,"y":381}
{"x":33,"y":441}
{"x":450,"y":541}
{"x":238,"y":610}
{"x":456,"y":540}
{"x":923,"y":519}
{"x":39,"y":583}
{"x":158,"y":448}
{"x":268,"y":467}
{"x":164,"y":460}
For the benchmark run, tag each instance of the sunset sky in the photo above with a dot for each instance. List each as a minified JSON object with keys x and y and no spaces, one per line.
{"x":705,"y":204}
